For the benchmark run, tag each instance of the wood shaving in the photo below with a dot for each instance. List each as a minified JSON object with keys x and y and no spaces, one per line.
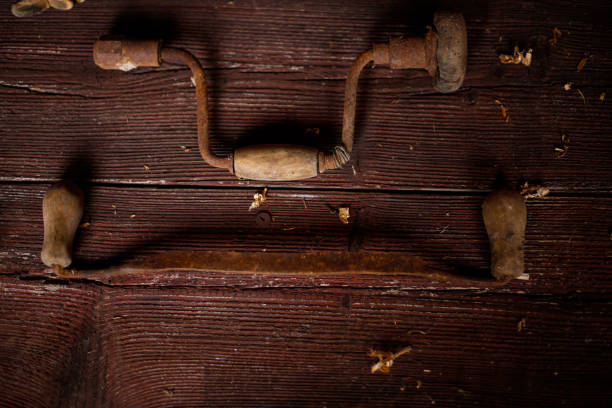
{"x":84,"y":225}
{"x":344,"y":214}
{"x":534,"y":191}
{"x":385,"y":359}
{"x":518,"y":57}
{"x":582,"y":63}
{"x":147,"y":168}
{"x":582,"y":95}
{"x":562,"y":151}
{"x":258,"y":199}
{"x":132,"y":215}
{"x":602,"y":96}
{"x":568,"y":86}
{"x":419,"y":384}
{"x":504,"y":111}
{"x":521,"y":324}
{"x":555,"y":38}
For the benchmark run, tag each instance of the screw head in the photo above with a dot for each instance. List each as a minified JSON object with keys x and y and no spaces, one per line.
{"x":263,"y":218}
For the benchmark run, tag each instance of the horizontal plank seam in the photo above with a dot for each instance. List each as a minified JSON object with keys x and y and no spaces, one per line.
{"x":569,"y":295}
{"x":332,"y":189}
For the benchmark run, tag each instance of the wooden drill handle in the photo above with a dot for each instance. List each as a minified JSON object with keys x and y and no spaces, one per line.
{"x":505,"y":217}
{"x":276,"y":162}
{"x":62,"y":212}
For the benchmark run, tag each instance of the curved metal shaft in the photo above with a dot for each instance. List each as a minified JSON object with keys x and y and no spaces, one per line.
{"x":179,"y":56}
{"x":350,"y":98}
{"x":342,"y":153}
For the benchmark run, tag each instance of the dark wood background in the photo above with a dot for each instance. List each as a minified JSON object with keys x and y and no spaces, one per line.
{"x":422,"y":164}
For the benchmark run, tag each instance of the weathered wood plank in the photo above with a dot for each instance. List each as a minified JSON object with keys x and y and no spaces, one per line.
{"x":567,"y":247}
{"x":184,"y":347}
{"x":407,"y":136}
{"x":45,"y":343}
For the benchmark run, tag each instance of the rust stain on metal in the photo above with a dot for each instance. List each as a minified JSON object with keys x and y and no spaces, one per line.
{"x":320,"y":263}
{"x":176,"y":55}
{"x":126,"y":55}
{"x":441,"y":53}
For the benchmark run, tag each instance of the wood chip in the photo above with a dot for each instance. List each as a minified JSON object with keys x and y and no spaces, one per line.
{"x":568,"y":86}
{"x":504,"y":111}
{"x":419,"y":384}
{"x":84,"y":225}
{"x":555,"y":38}
{"x":534,"y":191}
{"x":185,"y":148}
{"x":562,"y":151}
{"x":258,"y":199}
{"x":132,"y":215}
{"x":344,"y":214}
{"x":521,"y":325}
{"x":518,"y":57}
{"x":147,"y":168}
{"x":582,"y":63}
{"x":602,"y":96}
{"x":385,"y":359}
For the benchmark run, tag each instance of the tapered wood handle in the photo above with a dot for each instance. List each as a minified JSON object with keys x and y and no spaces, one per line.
{"x":62,"y":212}
{"x":505,"y":217}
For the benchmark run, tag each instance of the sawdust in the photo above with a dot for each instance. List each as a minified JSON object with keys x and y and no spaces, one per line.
{"x":518,"y":57}
{"x":386,"y":359}
{"x":562,"y":151}
{"x":504,"y":111}
{"x":521,"y":325}
{"x":569,"y":86}
{"x":258,"y":199}
{"x":555,"y":38}
{"x":528,"y":191}
{"x":582,"y":63}
{"x":344,"y":214}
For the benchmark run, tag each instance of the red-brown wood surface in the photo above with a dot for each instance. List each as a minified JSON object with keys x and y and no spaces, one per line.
{"x":422,"y":164}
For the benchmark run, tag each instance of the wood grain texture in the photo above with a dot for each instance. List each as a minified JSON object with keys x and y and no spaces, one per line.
{"x":567,"y":246}
{"x":272,"y":82}
{"x":225,"y":347}
{"x":420,"y":169}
